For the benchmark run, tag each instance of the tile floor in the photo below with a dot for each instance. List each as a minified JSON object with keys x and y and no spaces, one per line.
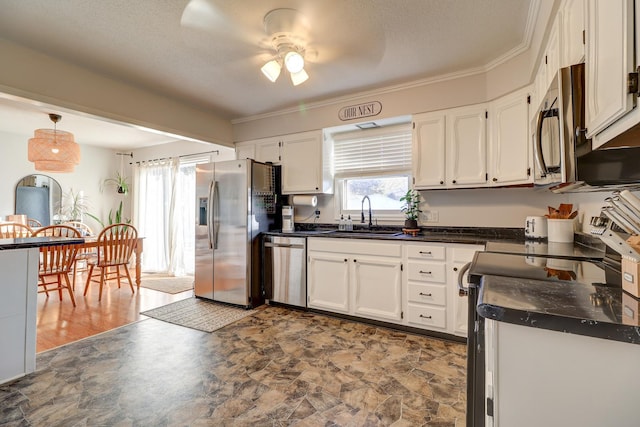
{"x":278,"y":367}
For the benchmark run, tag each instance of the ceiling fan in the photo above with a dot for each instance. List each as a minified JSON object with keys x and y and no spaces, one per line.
{"x":328,"y":33}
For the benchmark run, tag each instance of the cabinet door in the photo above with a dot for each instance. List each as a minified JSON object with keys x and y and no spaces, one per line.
{"x":609,"y":60}
{"x":268,"y":150}
{"x":377,"y":288}
{"x":302,"y":163}
{"x":458,"y":306}
{"x":552,"y":54}
{"x":466,"y":154}
{"x":509,"y":148}
{"x":245,"y":151}
{"x":572,"y":40}
{"x":428,"y":150}
{"x":328,"y":282}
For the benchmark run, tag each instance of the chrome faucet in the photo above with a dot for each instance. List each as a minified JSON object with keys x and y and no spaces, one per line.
{"x":362,"y":211}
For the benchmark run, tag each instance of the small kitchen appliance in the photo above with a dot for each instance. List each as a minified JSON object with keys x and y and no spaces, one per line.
{"x":535,"y":228}
{"x":287,"y":219}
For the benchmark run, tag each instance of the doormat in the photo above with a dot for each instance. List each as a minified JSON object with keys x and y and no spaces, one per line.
{"x":197,"y":314}
{"x":167,"y":284}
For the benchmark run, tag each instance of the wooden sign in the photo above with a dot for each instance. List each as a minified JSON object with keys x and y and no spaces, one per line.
{"x":359,"y":111}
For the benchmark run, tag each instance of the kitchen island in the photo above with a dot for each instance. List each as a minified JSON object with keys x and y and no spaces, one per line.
{"x":19,"y":263}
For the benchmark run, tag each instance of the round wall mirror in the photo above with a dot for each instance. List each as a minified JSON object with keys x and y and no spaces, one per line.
{"x":39,"y":197}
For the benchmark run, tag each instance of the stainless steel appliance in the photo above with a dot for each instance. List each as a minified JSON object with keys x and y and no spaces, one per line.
{"x":235,"y":201}
{"x":285,"y":274}
{"x":563,"y":157}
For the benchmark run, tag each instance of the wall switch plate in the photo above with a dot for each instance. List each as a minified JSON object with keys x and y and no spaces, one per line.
{"x":431,"y":216}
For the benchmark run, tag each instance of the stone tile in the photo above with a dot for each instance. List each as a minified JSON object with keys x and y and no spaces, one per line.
{"x":278,"y":367}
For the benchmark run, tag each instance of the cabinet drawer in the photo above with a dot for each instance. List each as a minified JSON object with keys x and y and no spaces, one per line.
{"x":426,"y":252}
{"x":427,"y":293}
{"x":427,"y":272}
{"x":427,"y":316}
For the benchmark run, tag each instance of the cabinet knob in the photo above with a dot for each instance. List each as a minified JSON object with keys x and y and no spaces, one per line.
{"x":495,"y":180}
{"x":425,"y":295}
{"x":441,"y":182}
{"x":345,"y":260}
{"x":455,"y":268}
{"x":317,"y":188}
{"x":425,"y":317}
{"x":424,"y":272}
{"x":354,"y":260}
{"x":454,"y":181}
{"x":425,"y":252}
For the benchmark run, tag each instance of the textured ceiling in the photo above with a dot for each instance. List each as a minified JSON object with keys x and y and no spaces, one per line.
{"x":211,"y":55}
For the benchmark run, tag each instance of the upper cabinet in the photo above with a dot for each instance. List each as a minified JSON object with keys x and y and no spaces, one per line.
{"x":304,"y":158}
{"x":572,"y":32}
{"x":609,"y":60}
{"x":476,"y":146}
{"x":509,"y":145}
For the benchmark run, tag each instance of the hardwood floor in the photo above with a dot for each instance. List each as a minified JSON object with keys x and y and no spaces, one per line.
{"x":60,"y":323}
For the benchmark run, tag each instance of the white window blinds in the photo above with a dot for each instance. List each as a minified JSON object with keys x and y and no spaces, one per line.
{"x":373,"y":151}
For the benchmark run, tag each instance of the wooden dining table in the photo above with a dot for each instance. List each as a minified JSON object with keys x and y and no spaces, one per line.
{"x":92,"y":242}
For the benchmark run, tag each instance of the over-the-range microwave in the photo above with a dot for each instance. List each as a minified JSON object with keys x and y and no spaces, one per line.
{"x":563,"y":158}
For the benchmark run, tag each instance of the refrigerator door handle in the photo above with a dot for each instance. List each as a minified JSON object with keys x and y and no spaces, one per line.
{"x":209,"y":213}
{"x":216,"y":214}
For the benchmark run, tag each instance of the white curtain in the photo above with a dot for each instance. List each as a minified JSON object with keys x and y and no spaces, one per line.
{"x":164,"y":213}
{"x":154,"y":182}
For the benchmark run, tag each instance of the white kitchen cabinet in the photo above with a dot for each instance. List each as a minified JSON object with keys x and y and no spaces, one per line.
{"x":572,"y":32}
{"x":328,"y":281}
{"x":466,"y":148}
{"x":509,"y":144}
{"x":458,"y":256}
{"x":428,"y":150}
{"x":609,"y":60}
{"x":358,"y":277}
{"x":552,"y":53}
{"x":305,"y":167}
{"x":268,"y":150}
{"x":245,"y":150}
{"x":449,"y":148}
{"x":431,"y":286}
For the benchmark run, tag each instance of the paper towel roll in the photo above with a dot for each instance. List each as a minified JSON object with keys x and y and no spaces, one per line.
{"x":305,"y":200}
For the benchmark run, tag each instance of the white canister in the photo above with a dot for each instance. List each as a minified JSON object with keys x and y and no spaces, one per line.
{"x":560,"y":230}
{"x":535,"y":227}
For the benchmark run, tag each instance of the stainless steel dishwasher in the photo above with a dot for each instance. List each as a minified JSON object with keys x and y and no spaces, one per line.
{"x":285,"y":270}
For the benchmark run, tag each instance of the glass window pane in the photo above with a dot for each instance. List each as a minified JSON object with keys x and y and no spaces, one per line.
{"x":384,"y":191}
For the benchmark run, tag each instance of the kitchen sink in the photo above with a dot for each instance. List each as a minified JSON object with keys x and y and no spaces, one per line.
{"x":368,"y":233}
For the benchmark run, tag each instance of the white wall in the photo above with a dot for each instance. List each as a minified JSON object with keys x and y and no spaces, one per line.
{"x":95,"y":166}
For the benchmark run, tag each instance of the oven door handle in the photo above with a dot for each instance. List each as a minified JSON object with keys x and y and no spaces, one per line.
{"x":462,"y":291}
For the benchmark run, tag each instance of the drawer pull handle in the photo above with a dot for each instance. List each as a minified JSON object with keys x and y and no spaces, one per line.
{"x":425,"y":295}
{"x":424,"y":272}
{"x":425,"y":252}
{"x":425,"y":317}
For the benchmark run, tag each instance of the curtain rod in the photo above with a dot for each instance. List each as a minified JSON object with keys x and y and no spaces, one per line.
{"x":167,"y":158}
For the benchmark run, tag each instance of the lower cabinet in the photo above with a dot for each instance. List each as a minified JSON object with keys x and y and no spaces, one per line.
{"x":363,"y":279}
{"x":414,"y":284}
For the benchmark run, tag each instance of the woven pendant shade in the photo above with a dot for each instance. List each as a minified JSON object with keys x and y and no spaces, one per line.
{"x":53,"y":150}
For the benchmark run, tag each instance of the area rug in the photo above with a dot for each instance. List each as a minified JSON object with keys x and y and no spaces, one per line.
{"x":198,"y":314}
{"x":168,"y":284}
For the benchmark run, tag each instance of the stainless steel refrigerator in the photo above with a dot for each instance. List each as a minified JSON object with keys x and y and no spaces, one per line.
{"x":235,"y":201}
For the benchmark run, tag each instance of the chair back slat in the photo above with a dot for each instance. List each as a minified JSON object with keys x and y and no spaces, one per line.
{"x":58,"y":258}
{"x":117,"y":243}
{"x":13,"y":230}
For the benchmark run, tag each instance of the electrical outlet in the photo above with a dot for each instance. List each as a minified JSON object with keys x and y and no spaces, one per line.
{"x":317,"y":213}
{"x":431,"y":216}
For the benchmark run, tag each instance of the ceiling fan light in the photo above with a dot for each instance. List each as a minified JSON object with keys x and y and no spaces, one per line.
{"x":271,"y":70}
{"x":294,"y":62}
{"x":299,"y":77}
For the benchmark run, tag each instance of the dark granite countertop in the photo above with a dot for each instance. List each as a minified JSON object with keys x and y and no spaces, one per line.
{"x":582,"y":297}
{"x":36,"y":242}
{"x":466,"y":235}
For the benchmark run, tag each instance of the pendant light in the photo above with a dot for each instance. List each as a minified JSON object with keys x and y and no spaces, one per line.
{"x":53,"y":150}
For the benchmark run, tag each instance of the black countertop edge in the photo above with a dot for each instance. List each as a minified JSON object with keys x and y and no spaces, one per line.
{"x":36,"y":242}
{"x":512,"y":233}
{"x":586,"y":327}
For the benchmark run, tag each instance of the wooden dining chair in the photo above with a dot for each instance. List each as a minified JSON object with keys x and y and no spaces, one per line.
{"x":12,"y":230}
{"x":84,"y":254}
{"x":33,"y":223}
{"x":57,"y":261}
{"x":116,"y":244}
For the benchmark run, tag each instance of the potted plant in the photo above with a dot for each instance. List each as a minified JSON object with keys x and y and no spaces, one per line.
{"x":120,"y":181}
{"x":113,"y":218}
{"x":74,"y":206}
{"x":411,"y":209}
